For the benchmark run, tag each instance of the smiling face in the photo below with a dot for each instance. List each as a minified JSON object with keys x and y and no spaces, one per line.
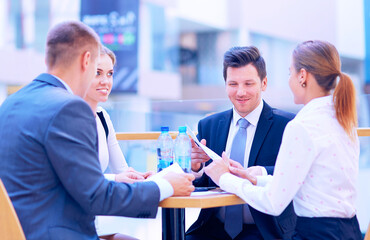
{"x":101,"y":85}
{"x":244,"y":87}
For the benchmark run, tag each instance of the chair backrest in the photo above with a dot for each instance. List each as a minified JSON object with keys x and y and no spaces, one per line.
{"x":10,"y":227}
{"x":367,"y":235}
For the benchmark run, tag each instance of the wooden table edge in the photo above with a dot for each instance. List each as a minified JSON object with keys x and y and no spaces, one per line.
{"x":206,"y":201}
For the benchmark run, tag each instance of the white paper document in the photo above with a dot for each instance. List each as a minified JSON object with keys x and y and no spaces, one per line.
{"x":175,"y":167}
{"x":208,"y":151}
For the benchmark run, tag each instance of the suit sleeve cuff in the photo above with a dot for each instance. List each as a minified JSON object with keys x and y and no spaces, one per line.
{"x":110,"y":177}
{"x":165,"y":188}
{"x":199,"y":173}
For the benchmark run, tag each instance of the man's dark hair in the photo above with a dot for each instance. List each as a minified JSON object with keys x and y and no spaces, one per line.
{"x":237,"y":57}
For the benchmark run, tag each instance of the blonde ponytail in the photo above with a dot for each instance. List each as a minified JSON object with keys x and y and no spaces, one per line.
{"x":344,"y":98}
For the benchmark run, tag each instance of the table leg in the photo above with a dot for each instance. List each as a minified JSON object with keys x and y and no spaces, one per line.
{"x":173,"y":224}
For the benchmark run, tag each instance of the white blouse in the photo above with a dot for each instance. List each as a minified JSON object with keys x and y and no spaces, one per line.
{"x":317,"y":168}
{"x":109,"y":150}
{"x":110,"y":154}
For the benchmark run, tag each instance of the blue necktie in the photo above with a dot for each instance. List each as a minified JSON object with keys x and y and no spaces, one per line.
{"x":234,"y":214}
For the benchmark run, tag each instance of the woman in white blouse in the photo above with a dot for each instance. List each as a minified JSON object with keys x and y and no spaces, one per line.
{"x":110,"y":153}
{"x":317,"y":164}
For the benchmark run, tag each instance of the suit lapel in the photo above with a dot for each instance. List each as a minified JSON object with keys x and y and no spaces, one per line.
{"x":263,"y":127}
{"x":223,"y":131}
{"x":48,"y":78}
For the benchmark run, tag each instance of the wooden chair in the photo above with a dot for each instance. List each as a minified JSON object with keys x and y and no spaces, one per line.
{"x":10,"y":227}
{"x":367,"y":235}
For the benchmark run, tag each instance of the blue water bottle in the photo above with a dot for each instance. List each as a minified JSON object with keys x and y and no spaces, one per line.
{"x":164,"y":149}
{"x":182,"y":150}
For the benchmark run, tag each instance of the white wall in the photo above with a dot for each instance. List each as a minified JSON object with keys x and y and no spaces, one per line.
{"x":19,"y":67}
{"x":155,"y":84}
{"x":64,"y":10}
{"x":350,"y":28}
{"x":296,"y":20}
{"x":208,"y":12}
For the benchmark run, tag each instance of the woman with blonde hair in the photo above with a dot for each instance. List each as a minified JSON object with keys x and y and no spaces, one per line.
{"x":110,"y":153}
{"x":317,"y":164}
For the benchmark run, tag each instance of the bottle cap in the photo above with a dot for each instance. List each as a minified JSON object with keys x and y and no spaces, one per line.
{"x":182,"y":129}
{"x":165,"y":129}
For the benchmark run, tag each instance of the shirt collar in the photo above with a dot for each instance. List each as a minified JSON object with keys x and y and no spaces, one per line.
{"x":64,"y":84}
{"x":252,"y":117}
{"x":316,"y":103}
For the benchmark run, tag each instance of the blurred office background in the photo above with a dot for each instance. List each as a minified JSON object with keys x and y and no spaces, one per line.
{"x":170,"y":54}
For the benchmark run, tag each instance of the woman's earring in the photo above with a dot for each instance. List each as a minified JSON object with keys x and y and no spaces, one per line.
{"x":303,"y":85}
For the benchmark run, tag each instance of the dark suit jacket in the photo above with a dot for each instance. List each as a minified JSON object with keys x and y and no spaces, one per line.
{"x":265,"y":147}
{"x":50,"y":168}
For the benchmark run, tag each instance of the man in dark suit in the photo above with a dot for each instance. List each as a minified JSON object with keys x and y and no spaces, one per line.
{"x":48,"y":149}
{"x":245,"y":78}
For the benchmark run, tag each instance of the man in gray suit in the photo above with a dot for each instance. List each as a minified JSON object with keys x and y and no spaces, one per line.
{"x":48,"y":149}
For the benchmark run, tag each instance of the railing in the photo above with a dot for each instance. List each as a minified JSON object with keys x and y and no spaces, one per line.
{"x":141,"y":135}
{"x":362,"y":132}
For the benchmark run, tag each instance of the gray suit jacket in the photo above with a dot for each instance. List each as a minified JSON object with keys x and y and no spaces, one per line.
{"x":49,"y":165}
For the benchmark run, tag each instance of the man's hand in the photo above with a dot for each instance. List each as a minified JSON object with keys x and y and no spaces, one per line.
{"x":198,"y":156}
{"x":181,"y":183}
{"x":217,"y":168}
{"x":129,"y":177}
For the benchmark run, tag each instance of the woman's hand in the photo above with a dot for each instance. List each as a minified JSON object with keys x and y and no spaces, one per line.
{"x":148,"y":174}
{"x":250,"y":173}
{"x":217,"y":168}
{"x":129,"y":177}
{"x":145,"y":175}
{"x":244,"y":173}
{"x":235,"y":164}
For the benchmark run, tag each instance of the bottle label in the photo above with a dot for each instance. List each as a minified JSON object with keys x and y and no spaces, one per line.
{"x":164,"y":159}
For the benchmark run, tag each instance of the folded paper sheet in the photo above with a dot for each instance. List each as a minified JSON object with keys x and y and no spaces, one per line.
{"x":208,"y":151}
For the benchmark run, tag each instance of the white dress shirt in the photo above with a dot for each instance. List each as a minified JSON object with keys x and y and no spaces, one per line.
{"x":252,"y":118}
{"x":317,"y":168}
